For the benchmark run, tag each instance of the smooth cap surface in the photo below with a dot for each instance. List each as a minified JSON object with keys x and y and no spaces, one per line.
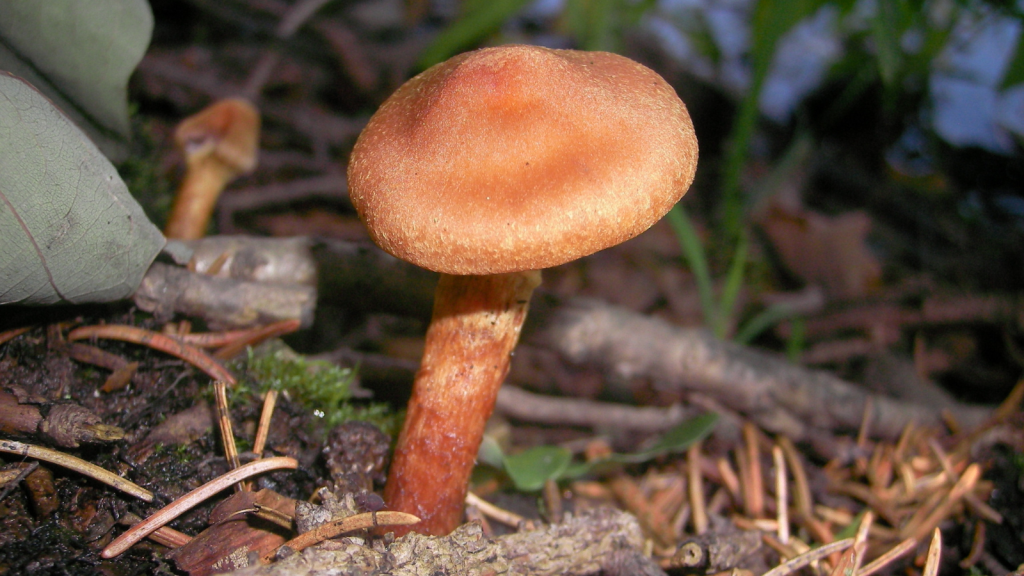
{"x":227,"y":129}
{"x":521,"y":158}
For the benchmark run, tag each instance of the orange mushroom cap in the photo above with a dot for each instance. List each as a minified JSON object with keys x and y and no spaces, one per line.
{"x":521,"y":158}
{"x":228,"y":130}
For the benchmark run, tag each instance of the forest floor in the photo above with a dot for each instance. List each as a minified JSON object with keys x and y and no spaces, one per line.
{"x":890,"y":409}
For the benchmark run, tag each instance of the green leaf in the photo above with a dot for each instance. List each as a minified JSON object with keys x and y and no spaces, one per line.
{"x":69,"y":229}
{"x":530,"y":469}
{"x":1015,"y":71}
{"x":676,"y":439}
{"x":480,"y":20}
{"x":490,"y":453}
{"x":885,"y":27}
{"x":80,"y":54}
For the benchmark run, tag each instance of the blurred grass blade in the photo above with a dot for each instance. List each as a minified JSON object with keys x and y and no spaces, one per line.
{"x":1015,"y":71}
{"x":676,"y":439}
{"x":772,"y":20}
{"x":762,"y":321}
{"x":733,"y":283}
{"x":480,"y":19}
{"x":797,"y":341}
{"x":693,"y":252}
{"x":885,"y":28}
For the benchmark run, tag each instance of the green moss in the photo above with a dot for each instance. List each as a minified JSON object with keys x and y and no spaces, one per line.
{"x":321,"y":386}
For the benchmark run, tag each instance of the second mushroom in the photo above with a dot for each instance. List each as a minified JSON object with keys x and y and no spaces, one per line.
{"x":487,"y":168}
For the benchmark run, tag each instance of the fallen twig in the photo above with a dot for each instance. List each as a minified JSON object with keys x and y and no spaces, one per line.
{"x":349,"y":524}
{"x":157,"y":341}
{"x":78,"y":465}
{"x":186,"y":502}
{"x":808,"y":557}
{"x":490,"y":510}
{"x":780,"y":397}
{"x":889,"y":557}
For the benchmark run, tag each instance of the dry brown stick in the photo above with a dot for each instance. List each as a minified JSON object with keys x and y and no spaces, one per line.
{"x":188,"y":501}
{"x":632,"y":498}
{"x":514,"y":402}
{"x":291,"y":21}
{"x":781,"y":494}
{"x":232,"y":341}
{"x":11,"y":478}
{"x":845,"y":565}
{"x":13,"y":333}
{"x":88,"y":354}
{"x":227,"y":434}
{"x":808,"y":557}
{"x":326,"y":186}
{"x":349,"y":524}
{"x":696,"y":489}
{"x":964,"y":485}
{"x":780,"y":397}
{"x":861,"y":539}
{"x":167,"y":290}
{"x":164,"y":535}
{"x":490,"y":510}
{"x":729,"y":478}
{"x":802,"y":499}
{"x":157,"y":341}
{"x":754,"y":497}
{"x":890,"y":556}
{"x":78,"y":465}
{"x":256,"y":336}
{"x":931,"y":564}
{"x":263,"y":429}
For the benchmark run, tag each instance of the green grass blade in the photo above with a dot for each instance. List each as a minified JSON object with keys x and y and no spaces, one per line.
{"x":762,"y":321}
{"x":480,"y":20}
{"x":693,"y":253}
{"x":733,"y":283}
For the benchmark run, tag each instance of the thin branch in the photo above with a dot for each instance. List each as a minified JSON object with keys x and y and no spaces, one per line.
{"x":190,"y":500}
{"x":157,"y":341}
{"x":78,"y":465}
{"x":808,"y":557}
{"x":349,"y":524}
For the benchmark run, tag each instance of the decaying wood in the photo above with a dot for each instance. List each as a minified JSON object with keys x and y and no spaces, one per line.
{"x":166,"y":290}
{"x":236,"y":532}
{"x":582,"y":544}
{"x":780,"y":397}
{"x":517,"y":403}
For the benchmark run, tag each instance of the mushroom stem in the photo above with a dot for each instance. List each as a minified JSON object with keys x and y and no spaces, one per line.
{"x":195,"y":201}
{"x":475,"y":325}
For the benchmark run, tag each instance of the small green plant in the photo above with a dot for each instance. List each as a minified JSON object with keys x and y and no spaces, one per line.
{"x":530,"y":469}
{"x":720,"y":315}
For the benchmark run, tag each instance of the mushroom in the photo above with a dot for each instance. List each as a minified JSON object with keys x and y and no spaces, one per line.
{"x":487,"y":168}
{"x":220,"y":143}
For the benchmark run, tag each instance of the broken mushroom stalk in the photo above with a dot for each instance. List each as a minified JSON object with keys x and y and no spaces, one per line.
{"x":488,"y":168}
{"x":220,"y":143}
